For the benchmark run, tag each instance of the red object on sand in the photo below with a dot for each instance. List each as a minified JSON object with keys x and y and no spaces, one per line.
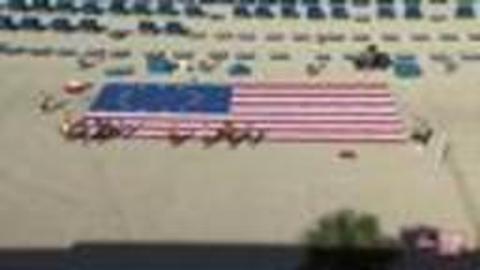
{"x":76,"y":87}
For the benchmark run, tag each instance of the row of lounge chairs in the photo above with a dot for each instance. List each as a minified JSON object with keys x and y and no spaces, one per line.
{"x":244,"y":9}
{"x":340,"y":11}
{"x":61,"y":24}
{"x":91,"y":25}
{"x":93,"y":7}
{"x":11,"y":50}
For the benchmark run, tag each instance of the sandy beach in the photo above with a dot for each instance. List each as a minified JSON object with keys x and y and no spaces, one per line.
{"x":54,"y":193}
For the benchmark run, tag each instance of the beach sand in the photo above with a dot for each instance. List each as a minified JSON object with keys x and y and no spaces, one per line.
{"x":54,"y":193}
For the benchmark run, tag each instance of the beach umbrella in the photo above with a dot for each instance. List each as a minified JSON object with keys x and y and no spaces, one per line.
{"x":413,"y":12}
{"x":65,"y":5}
{"x":239,"y":69}
{"x":147,"y":26}
{"x":161,"y":65}
{"x":32,"y":23}
{"x":264,"y":12}
{"x":141,"y":7}
{"x":386,"y":12}
{"x":465,"y":12}
{"x":7,"y":23}
{"x":18,"y":5}
{"x":176,"y":28}
{"x":41,"y":5}
{"x":242,"y":11}
{"x":315,"y":12}
{"x":61,"y":24}
{"x":167,"y":8}
{"x":118,"y":6}
{"x":339,"y":11}
{"x":91,"y":7}
{"x":247,"y":2}
{"x":310,"y":2}
{"x":289,"y":11}
{"x":90,"y":25}
{"x":194,"y":11}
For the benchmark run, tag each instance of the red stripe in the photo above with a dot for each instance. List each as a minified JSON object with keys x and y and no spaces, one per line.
{"x":313,"y":103}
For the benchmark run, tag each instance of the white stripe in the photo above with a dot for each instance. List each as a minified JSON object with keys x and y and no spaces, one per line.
{"x":261,"y":125}
{"x":289,"y":135}
{"x":318,"y":86}
{"x":297,"y":109}
{"x":307,"y":91}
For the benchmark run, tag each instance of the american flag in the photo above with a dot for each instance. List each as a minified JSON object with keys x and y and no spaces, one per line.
{"x":287,"y":112}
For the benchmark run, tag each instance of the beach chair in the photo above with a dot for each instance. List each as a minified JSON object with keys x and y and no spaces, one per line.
{"x":406,"y":67}
{"x":18,"y":5}
{"x":264,"y":12}
{"x":245,"y":56}
{"x":218,"y":55}
{"x":315,"y":13}
{"x":289,"y":12}
{"x":361,"y":37}
{"x":65,"y":6}
{"x":339,"y":12}
{"x":66,"y":52}
{"x":413,"y":12}
{"x":309,"y":3}
{"x":31,"y":23}
{"x":239,"y":69}
{"x":141,"y":7}
{"x":148,"y":27}
{"x":160,"y":65}
{"x":280,"y":56}
{"x":7,"y":23}
{"x":42,"y":5}
{"x":62,"y":25}
{"x":386,"y":12}
{"x":246,"y":2}
{"x":91,"y":7}
{"x":242,"y":11}
{"x":41,"y":51}
{"x":274,"y":37}
{"x":247,"y":36}
{"x":465,"y":12}
{"x":194,"y":11}
{"x":121,"y":53}
{"x":449,"y":37}
{"x":288,"y":2}
{"x":120,"y":71}
{"x":167,"y":8}
{"x":90,"y":25}
{"x":176,"y":28}
{"x":118,"y":7}
{"x":15,"y":50}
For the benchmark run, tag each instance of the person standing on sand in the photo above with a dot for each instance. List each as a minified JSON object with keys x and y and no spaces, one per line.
{"x":46,"y":102}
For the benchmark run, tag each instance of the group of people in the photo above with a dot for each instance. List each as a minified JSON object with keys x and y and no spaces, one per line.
{"x":96,"y":129}
{"x":101,"y":130}
{"x":228,"y":132}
